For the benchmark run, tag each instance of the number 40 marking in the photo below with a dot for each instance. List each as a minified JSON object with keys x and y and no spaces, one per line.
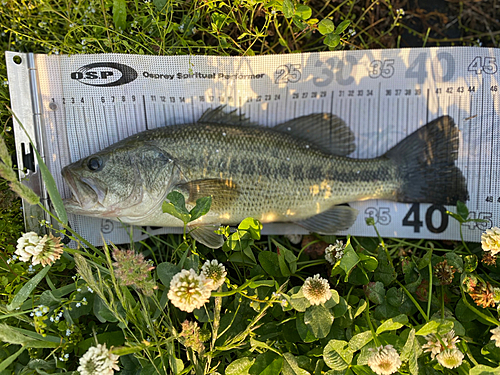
{"x":412,"y":218}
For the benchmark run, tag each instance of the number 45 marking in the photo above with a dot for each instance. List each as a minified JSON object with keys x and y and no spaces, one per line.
{"x":486,"y":64}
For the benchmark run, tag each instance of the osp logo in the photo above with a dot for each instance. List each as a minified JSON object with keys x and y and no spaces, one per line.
{"x":105,"y":74}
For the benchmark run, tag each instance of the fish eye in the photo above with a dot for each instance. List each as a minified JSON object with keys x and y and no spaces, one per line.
{"x":95,"y":163}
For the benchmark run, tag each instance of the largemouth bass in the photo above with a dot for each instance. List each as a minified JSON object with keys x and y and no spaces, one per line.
{"x":295,"y":172}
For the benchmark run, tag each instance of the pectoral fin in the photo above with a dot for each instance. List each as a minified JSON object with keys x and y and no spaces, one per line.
{"x":334,"y":220}
{"x":206,"y":235}
{"x":223,"y":192}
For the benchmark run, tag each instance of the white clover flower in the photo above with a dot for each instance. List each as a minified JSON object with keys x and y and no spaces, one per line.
{"x":384,"y":360}
{"x":335,"y":252}
{"x":434,"y":346}
{"x":188,"y":291}
{"x":48,"y":250}
{"x":316,"y":290}
{"x":495,"y":335}
{"x":450,"y":358}
{"x":214,"y":271}
{"x":27,"y":246}
{"x":40,"y":250}
{"x":490,"y":240}
{"x":98,"y":360}
{"x":294,"y":238}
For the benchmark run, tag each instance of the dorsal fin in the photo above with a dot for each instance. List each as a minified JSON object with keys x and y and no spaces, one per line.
{"x":327,"y":132}
{"x":217,"y":115}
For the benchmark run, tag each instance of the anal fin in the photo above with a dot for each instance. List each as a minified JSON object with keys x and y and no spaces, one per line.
{"x":206,"y":235}
{"x":336,"y":219}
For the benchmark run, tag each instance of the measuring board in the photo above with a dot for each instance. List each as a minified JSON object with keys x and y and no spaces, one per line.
{"x":76,"y":105}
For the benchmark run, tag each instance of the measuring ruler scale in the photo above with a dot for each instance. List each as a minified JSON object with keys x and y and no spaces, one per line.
{"x":76,"y":105}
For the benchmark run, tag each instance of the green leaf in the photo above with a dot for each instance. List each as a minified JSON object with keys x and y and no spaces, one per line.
{"x":385,"y":270}
{"x":268,"y":363}
{"x":120,"y":14}
{"x":291,"y":367}
{"x":440,"y":326}
{"x":463,"y":313}
{"x":285,"y":271}
{"x":269,"y":262}
{"x":393,"y":324}
{"x":408,"y":348}
{"x":326,"y":26}
{"x":252,"y":226}
{"x":166,"y":271}
{"x":159,"y":4}
{"x":361,"y":307}
{"x":201,"y":208}
{"x":462,"y":210}
{"x":484,"y":370}
{"x":369,"y":263}
{"x":23,"y":294}
{"x":349,"y":260}
{"x":337,"y":354}
{"x":303,"y":11}
{"x":288,"y":8}
{"x":299,"y":302}
{"x":16,"y":336}
{"x":287,"y":259}
{"x":9,"y":360}
{"x":240,"y":366}
{"x":425,"y":260}
{"x":343,"y":25}
{"x":176,"y":207}
{"x":455,"y":261}
{"x":332,"y":40}
{"x":375,"y":292}
{"x":411,"y":351}
{"x":319,"y":320}
{"x":303,"y":329}
{"x":361,"y":339}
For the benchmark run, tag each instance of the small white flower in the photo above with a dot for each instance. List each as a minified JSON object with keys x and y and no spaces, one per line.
{"x":384,"y":360}
{"x":490,"y":240}
{"x":188,"y":291}
{"x":435,"y":347}
{"x":316,"y":290}
{"x":98,"y":360}
{"x":214,"y":271}
{"x":495,"y":335}
{"x":400,"y":12}
{"x":334,"y":252}
{"x":450,"y":358}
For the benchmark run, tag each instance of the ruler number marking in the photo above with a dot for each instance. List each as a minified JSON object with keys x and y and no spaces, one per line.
{"x":381,"y":215}
{"x":485,"y":64}
{"x":412,"y":218}
{"x":384,"y":68}
{"x":287,"y":73}
{"x":343,"y":71}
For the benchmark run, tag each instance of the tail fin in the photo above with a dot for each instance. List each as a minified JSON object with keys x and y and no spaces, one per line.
{"x":426,"y":165}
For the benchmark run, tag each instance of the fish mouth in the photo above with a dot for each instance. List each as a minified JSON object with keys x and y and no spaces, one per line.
{"x":85,"y":193}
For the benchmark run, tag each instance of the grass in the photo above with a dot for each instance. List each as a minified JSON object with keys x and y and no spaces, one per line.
{"x":249,"y":331}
